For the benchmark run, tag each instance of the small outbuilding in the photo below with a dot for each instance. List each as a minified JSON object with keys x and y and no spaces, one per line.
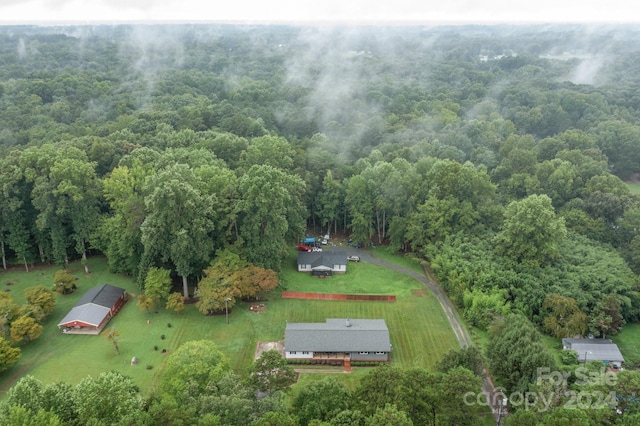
{"x":94,"y":310}
{"x":340,"y":339}
{"x":595,"y":350}
{"x":322,"y":264}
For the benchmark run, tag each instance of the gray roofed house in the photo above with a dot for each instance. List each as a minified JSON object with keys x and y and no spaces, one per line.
{"x":94,"y":310}
{"x":595,"y":350}
{"x":343,"y":338}
{"x":322,"y":263}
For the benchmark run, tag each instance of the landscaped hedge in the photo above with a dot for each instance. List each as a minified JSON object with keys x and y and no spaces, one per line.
{"x":366,"y":363}
{"x":334,"y":363}
{"x":299,"y":361}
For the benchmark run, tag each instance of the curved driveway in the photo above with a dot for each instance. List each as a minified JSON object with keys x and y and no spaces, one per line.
{"x":443,"y":299}
{"x":461,"y":334}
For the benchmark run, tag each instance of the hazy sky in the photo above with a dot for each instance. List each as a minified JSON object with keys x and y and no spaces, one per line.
{"x":301,"y":11}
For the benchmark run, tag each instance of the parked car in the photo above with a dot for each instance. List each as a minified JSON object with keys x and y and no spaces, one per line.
{"x":353,"y":258}
{"x":325,"y":242}
{"x":302,"y":247}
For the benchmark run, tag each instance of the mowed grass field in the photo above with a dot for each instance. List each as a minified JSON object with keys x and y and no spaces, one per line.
{"x":628,"y":341}
{"x":634,"y":187}
{"x":419,"y":330}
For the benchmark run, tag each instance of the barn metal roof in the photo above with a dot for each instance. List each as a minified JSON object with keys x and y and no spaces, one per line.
{"x":594,"y":349}
{"x":94,"y":305}
{"x":87,"y":314}
{"x":103,"y":295}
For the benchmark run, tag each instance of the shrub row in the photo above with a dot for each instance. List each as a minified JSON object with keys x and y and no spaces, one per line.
{"x":366,"y":363}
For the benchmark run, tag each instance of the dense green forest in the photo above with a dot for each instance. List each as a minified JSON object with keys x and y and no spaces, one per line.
{"x":496,"y":154}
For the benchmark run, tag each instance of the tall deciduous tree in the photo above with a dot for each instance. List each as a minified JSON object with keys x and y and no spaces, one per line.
{"x":179,"y":221}
{"x":321,"y":400}
{"x":108,"y":398}
{"x":252,"y":281}
{"x":16,"y":415}
{"x":157,"y":284}
{"x":8,"y":354}
{"x":268,"y":150}
{"x":66,"y":194}
{"x":620,"y":141}
{"x":42,"y":298}
{"x":195,"y":365}
{"x":563,"y":316}
{"x":25,"y":328}
{"x":389,"y":416}
{"x":26,"y":392}
{"x":270,"y":211}
{"x":606,"y":317}
{"x":516,"y":352}
{"x":217,"y":288}
{"x":359,"y":202}
{"x":331,"y":202}
{"x":469,"y":358}
{"x":78,"y":193}
{"x":278,"y":419}
{"x":17,"y":214}
{"x":531,"y":232}
{"x":120,"y":235}
{"x":271,"y":373}
{"x":64,"y":281}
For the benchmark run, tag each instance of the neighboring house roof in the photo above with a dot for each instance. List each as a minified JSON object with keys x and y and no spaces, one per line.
{"x":334,"y":335}
{"x":594,"y":349}
{"x":87,"y":314}
{"x":322,"y":260}
{"x":94,"y":305}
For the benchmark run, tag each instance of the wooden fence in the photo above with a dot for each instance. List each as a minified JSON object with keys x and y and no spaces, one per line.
{"x":330,"y":296}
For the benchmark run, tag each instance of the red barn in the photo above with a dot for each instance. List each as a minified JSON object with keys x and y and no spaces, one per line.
{"x":94,"y":310}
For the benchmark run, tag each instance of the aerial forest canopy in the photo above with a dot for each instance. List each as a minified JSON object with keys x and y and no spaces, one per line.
{"x":498,"y":154}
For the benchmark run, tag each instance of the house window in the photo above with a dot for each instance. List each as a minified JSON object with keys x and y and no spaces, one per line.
{"x":305,"y":353}
{"x":364,"y":353}
{"x":380,"y":353}
{"x":292,"y":353}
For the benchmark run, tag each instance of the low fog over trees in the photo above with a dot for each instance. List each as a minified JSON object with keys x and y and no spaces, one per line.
{"x":498,"y":155}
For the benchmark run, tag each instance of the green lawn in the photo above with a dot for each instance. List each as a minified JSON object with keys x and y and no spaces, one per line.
{"x":634,"y":187}
{"x":408,"y":261}
{"x":628,"y":340}
{"x":420,"y":333}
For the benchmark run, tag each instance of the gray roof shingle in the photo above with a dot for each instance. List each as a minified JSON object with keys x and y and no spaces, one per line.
{"x":363,"y":335}
{"x":320,"y":259}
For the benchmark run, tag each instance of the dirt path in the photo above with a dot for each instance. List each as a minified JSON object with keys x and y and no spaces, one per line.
{"x":447,"y":307}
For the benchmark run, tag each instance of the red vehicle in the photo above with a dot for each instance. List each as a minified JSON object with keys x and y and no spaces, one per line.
{"x":302,"y":247}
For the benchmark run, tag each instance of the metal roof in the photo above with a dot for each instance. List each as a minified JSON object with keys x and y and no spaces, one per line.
{"x":94,"y":305}
{"x":334,"y":335}
{"x":594,"y":349}
{"x":103,"y":295}
{"x":326,"y":259}
{"x":88,"y":314}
